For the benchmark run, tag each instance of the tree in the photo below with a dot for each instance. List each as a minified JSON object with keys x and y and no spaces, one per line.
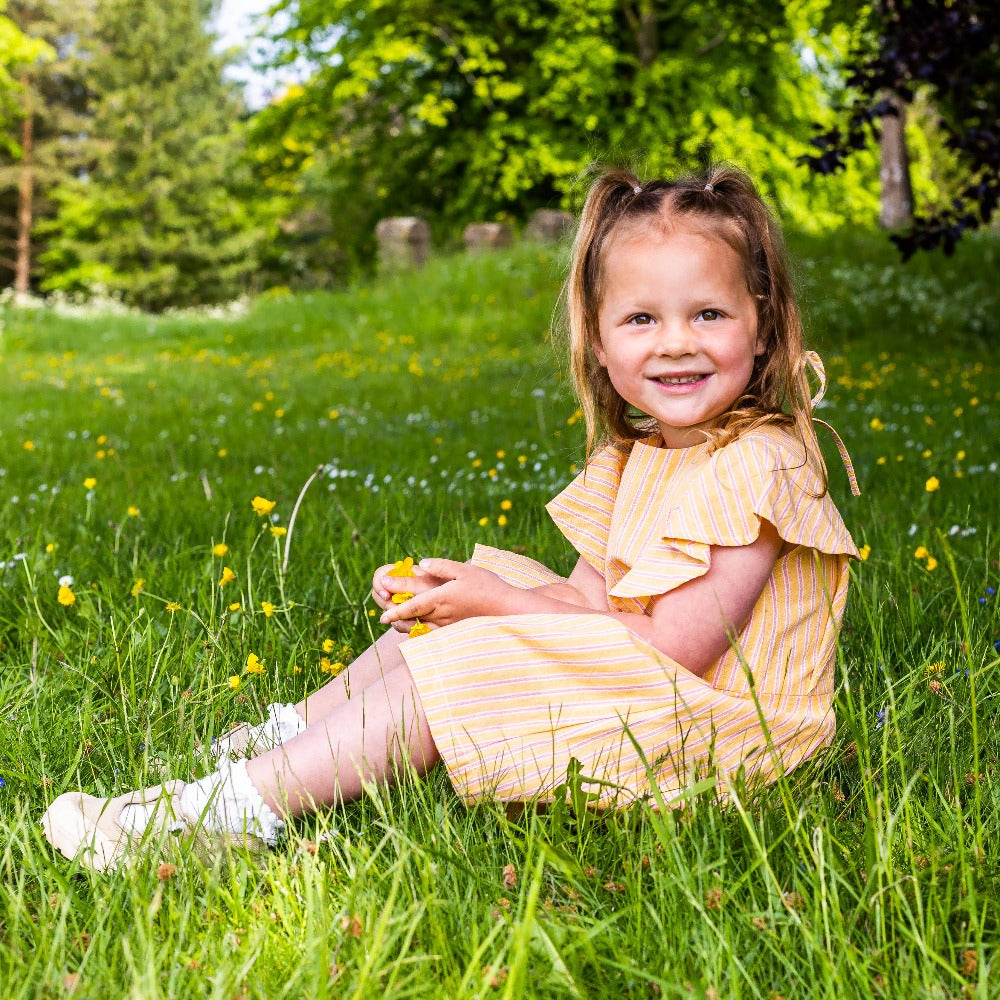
{"x":50,"y":104}
{"x":948,"y":52}
{"x":473,"y":109}
{"x":156,"y":218}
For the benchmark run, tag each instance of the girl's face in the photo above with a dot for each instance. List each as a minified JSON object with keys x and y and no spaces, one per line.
{"x":678,"y":329}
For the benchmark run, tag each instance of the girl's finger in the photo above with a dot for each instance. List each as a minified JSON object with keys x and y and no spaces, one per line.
{"x":446,"y":569}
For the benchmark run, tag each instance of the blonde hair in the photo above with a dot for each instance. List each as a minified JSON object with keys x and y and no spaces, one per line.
{"x":724,"y":203}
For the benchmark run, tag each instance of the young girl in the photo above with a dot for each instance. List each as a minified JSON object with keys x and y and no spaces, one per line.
{"x":697,"y":632}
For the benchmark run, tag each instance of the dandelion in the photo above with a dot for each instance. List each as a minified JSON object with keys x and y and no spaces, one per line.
{"x":28,"y":446}
{"x":506,"y":504}
{"x":931,"y":564}
{"x":173,"y":606}
{"x":66,"y":597}
{"x":876,"y":425}
{"x":959,"y":456}
{"x":502,"y":520}
{"x":402,"y":598}
{"x":880,"y":460}
{"x":403,"y":567}
{"x":254,"y":664}
{"x":51,"y":547}
{"x":920,"y":552}
{"x":89,"y":483}
{"x":227,"y":576}
{"x":262,"y":506}
{"x":220,"y":550}
{"x":267,"y":607}
{"x":333,"y":414}
{"x":234,"y":682}
{"x":278,"y":531}
{"x":223,"y":452}
{"x":419,"y":628}
{"x":132,"y":511}
{"x":932,"y":484}
{"x":328,"y":646}
{"x":137,"y":587}
{"x":483,"y":521}
{"x":864,"y":552}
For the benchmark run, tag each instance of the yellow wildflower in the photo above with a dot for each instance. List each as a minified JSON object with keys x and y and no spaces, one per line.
{"x":254,"y":664}
{"x":227,"y":576}
{"x":29,"y":446}
{"x":920,"y":552}
{"x":66,"y":597}
{"x":502,"y":520}
{"x":327,"y":667}
{"x":419,"y":629}
{"x":333,"y":414}
{"x":137,"y":587}
{"x":278,"y":531}
{"x":403,"y":567}
{"x":234,"y":682}
{"x":865,"y":551}
{"x":876,"y":424}
{"x":262,"y":506}
{"x":880,"y":460}
{"x":267,"y":607}
{"x":89,"y":483}
{"x":220,"y":550}
{"x":173,"y":606}
{"x":501,"y":454}
{"x":931,"y":563}
{"x":959,"y":456}
{"x":483,"y":521}
{"x":51,"y":547}
{"x":102,"y":439}
{"x":223,"y":452}
{"x":506,"y":504}
{"x":932,"y":484}
{"x":401,"y":598}
{"x":329,"y":645}
{"x":132,"y":511}
{"x":235,"y":606}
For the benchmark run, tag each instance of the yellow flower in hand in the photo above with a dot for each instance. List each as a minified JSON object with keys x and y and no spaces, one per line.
{"x":403,"y":567}
{"x":419,"y":629}
{"x":401,"y":598}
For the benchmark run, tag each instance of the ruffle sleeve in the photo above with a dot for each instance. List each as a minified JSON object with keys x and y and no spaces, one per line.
{"x":583,"y":510}
{"x":761,"y":476}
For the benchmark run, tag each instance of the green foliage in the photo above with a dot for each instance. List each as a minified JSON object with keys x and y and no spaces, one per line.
{"x":486,"y":111}
{"x":18,"y":51}
{"x":870,"y":872}
{"x":157,"y":219}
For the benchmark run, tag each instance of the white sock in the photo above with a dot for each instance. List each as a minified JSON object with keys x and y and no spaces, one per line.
{"x":282,"y":724}
{"x":225,"y":801}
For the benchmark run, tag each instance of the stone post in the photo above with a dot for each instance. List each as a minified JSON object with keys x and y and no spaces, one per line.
{"x":547,"y":225}
{"x":487,"y":235}
{"x":403,"y":241}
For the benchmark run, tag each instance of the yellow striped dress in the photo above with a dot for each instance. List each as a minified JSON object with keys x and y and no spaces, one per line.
{"x":511,"y":701}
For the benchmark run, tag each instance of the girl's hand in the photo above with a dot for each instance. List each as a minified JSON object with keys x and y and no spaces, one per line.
{"x":384,"y":587}
{"x":462,"y":591}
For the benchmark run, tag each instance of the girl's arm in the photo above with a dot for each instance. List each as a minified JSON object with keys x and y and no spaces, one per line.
{"x":692,"y":624}
{"x":584,"y":587}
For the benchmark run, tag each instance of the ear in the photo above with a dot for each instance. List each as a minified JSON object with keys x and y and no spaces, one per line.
{"x":761,"y":346}
{"x":600,"y":354}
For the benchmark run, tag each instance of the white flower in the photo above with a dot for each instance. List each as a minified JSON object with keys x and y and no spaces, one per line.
{"x":65,"y":581}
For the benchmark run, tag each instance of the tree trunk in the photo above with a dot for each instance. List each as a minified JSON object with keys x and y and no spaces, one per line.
{"x":25,"y":196}
{"x":896,"y":205}
{"x":644,"y":26}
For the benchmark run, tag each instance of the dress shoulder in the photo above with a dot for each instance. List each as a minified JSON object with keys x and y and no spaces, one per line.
{"x":583,"y":510}
{"x":764,"y":475}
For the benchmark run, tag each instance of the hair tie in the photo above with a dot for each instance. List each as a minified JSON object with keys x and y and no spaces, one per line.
{"x":637,"y":189}
{"x":708,"y":187}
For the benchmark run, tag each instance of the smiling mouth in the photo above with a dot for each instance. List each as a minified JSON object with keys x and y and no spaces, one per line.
{"x":679,"y":379}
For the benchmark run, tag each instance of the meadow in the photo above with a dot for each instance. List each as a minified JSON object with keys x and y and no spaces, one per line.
{"x":145,"y":605}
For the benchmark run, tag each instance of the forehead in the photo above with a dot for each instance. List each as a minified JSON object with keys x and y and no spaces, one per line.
{"x":688,"y":251}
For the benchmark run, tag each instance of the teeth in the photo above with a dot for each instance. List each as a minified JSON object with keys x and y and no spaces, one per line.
{"x":680,"y":380}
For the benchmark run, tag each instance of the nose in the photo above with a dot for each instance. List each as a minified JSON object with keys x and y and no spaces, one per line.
{"x":675,"y":339}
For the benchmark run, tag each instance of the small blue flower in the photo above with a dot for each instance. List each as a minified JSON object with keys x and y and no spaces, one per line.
{"x":880,"y":719}
{"x":3,"y":784}
{"x":990,"y":591}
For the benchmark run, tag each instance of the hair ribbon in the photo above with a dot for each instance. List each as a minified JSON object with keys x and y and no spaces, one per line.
{"x":815,"y":362}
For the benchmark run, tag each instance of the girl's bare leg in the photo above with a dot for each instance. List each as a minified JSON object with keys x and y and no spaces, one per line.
{"x":361,"y":740}
{"x":369,"y":667}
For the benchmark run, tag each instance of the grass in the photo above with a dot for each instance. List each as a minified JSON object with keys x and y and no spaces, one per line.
{"x":428,"y":399}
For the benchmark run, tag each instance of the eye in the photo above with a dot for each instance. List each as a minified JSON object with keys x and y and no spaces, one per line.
{"x":640,"y":319}
{"x":710,"y":315}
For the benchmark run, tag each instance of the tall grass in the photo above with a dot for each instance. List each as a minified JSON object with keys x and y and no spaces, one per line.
{"x":428,"y":399}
